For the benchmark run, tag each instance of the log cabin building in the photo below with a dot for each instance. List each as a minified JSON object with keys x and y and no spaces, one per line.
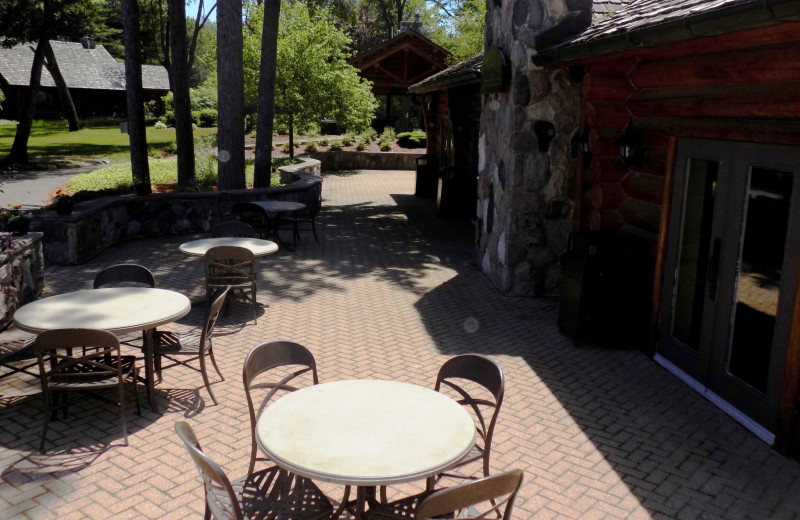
{"x":642,"y":160}
{"x":392,"y":67}
{"x":96,"y":81}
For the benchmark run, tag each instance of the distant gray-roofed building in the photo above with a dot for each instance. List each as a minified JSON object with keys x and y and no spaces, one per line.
{"x":95,"y":79}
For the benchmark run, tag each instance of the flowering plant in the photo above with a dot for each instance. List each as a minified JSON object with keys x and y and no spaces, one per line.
{"x":62,"y":203}
{"x":14,"y":219}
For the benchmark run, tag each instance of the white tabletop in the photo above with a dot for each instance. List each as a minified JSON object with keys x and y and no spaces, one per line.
{"x":256,"y":245}
{"x":279,"y":206}
{"x":118,"y":310}
{"x":365,"y":432}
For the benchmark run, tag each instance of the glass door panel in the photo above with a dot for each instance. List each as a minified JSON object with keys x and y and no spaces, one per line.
{"x":758,"y":276}
{"x":695,"y":245}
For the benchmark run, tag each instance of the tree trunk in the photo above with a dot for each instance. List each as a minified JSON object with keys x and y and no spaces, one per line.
{"x":19,"y":149}
{"x":266,"y":94}
{"x":135,"y":98}
{"x":291,"y":135}
{"x":179,"y":82}
{"x":230,"y":96}
{"x":63,"y":92}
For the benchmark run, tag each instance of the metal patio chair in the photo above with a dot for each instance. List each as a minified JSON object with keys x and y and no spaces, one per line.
{"x":264,"y":358}
{"x":183,"y":349}
{"x":268,"y":494}
{"x":233,"y":268}
{"x":233,"y":228}
{"x":99,"y":367}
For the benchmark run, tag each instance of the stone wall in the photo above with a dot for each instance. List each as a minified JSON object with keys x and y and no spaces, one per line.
{"x":96,"y":225}
{"x":21,"y":275}
{"x":343,"y":160}
{"x":526,"y":169}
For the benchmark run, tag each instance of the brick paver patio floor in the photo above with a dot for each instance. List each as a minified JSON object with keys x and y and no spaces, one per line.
{"x":391,"y":293}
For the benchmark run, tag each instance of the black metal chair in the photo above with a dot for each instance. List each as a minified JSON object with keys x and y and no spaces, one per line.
{"x":126,"y":275}
{"x":253,"y":216}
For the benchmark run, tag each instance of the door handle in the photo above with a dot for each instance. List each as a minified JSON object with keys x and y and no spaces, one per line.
{"x":713,"y":269}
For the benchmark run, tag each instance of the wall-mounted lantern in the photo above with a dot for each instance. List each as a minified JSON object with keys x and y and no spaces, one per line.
{"x":631,"y":148}
{"x":580,"y":145}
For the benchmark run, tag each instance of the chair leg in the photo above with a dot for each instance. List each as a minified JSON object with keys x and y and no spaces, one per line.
{"x":314,"y":229}
{"x":122,"y":414}
{"x":214,"y":362}
{"x":255,"y":303}
{"x":47,"y":404}
{"x":204,"y":373}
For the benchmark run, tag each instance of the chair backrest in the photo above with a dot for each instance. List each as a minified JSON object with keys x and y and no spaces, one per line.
{"x":211,"y":317}
{"x":221,"y":499}
{"x":247,"y":212}
{"x":124,"y":273}
{"x":99,"y":351}
{"x":489,"y":497}
{"x":233,"y":228}
{"x":268,"y":356}
{"x":231,"y":263}
{"x":485,"y":372}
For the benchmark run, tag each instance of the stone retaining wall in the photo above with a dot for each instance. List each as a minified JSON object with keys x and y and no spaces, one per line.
{"x":342,"y":160}
{"x":99,"y":224}
{"x":21,"y":275}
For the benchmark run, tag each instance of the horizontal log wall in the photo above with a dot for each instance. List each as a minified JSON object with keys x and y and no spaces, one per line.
{"x":738,"y":87}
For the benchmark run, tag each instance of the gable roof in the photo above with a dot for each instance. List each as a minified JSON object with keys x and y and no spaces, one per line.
{"x":643,"y":23}
{"x":82,"y":68}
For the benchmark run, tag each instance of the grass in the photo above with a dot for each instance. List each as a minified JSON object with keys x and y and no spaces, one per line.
{"x":99,"y":138}
{"x":162,"y":171}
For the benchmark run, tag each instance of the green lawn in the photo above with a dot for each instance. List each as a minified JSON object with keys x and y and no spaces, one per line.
{"x":52,"y":139}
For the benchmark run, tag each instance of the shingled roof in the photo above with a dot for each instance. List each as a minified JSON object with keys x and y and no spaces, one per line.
{"x":643,"y":23}
{"x":82,"y":68}
{"x":463,"y":73}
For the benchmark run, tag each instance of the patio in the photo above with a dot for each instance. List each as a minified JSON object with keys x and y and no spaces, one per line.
{"x":391,"y":293}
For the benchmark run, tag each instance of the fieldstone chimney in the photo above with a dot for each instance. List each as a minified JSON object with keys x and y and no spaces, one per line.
{"x":526,"y":170}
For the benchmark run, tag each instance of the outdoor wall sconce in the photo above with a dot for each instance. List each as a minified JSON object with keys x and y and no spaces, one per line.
{"x":631,"y":148}
{"x":428,"y":101}
{"x":580,"y":145}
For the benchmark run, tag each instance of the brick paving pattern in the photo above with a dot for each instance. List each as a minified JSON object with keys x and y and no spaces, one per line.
{"x":391,"y":293}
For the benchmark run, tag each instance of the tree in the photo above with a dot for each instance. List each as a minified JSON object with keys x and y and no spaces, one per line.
{"x":63,"y":92}
{"x":313,"y":79}
{"x":134,"y":93}
{"x":230,"y":96}
{"x":266,"y":94}
{"x":37,"y":21}
{"x":179,"y":83}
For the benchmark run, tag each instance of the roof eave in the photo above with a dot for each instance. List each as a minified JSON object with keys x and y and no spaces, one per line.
{"x":458,"y":80}
{"x":738,"y":17}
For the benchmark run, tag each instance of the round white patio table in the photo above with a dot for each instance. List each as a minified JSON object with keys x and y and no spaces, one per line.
{"x":365,"y":433}
{"x":258,"y":246}
{"x":118,"y":310}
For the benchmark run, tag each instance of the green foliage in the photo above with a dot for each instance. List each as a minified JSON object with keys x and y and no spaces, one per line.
{"x":2,"y":98}
{"x":207,"y":117}
{"x":347,"y":140}
{"x":361,"y":146}
{"x":464,"y":37}
{"x":314,"y":80}
{"x":27,"y":20}
{"x":414,"y":139}
{"x":365,"y":139}
{"x":336,"y":145}
{"x":388,"y":134}
{"x":311,"y":146}
{"x":324,"y":142}
{"x":385,"y":145}
{"x":202,"y":98}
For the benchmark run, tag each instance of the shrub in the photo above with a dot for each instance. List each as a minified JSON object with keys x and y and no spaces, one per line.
{"x":205,"y":164}
{"x":336,"y":145}
{"x":414,"y":139}
{"x":286,"y":148}
{"x":160,"y":125}
{"x":311,"y":146}
{"x":347,"y":140}
{"x":361,"y":146}
{"x":388,"y":134}
{"x":386,"y":146}
{"x":324,"y":142}
{"x":207,"y":117}
{"x":365,"y":140}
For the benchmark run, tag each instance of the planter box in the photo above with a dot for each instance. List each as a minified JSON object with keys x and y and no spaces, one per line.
{"x":21,"y":275}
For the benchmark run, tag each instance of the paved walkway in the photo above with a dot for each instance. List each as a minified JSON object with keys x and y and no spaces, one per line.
{"x":391,"y":293}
